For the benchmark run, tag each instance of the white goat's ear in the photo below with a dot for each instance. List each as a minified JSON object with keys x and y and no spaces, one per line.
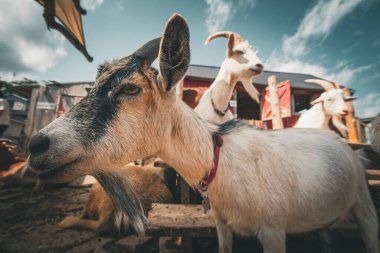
{"x":174,"y":55}
{"x":230,"y":45}
{"x":316,"y":101}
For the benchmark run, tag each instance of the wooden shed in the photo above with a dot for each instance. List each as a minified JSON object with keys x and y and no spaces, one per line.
{"x":199,"y":78}
{"x":38,"y":105}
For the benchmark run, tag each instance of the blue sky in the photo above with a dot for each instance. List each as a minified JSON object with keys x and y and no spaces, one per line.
{"x":334,"y":39}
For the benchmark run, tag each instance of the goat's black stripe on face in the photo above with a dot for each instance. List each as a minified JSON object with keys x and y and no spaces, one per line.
{"x":94,"y":113}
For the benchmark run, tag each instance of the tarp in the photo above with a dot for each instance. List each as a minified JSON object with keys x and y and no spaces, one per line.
{"x":284,"y":95}
{"x":68,"y":12}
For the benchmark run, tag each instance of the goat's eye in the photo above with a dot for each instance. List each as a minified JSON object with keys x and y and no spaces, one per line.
{"x":131,"y":89}
{"x":239,"y":52}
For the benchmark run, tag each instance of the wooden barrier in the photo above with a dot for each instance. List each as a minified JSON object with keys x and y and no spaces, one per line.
{"x":179,"y":220}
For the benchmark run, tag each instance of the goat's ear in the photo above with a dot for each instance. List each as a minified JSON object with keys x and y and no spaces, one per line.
{"x":174,"y":55}
{"x":318,"y":100}
{"x":230,"y":45}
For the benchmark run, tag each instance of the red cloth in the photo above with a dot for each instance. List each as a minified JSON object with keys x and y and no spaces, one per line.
{"x":284,"y":95}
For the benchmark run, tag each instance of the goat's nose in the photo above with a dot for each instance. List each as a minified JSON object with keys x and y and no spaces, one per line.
{"x":258,"y":68}
{"x":39,"y":143}
{"x":344,"y":112}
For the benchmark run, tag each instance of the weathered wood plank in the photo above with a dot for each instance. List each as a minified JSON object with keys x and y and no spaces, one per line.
{"x":359,"y":145}
{"x":179,"y":220}
{"x":275,"y":103}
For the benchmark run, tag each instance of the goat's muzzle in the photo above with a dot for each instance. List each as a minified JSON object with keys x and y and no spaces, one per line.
{"x":257,"y":69}
{"x":344,"y":113}
{"x":49,"y":160}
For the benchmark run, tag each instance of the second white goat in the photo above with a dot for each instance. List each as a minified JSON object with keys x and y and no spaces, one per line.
{"x":241,"y":64}
{"x":329,"y":106}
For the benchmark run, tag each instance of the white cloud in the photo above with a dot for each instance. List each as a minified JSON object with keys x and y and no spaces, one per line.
{"x":343,"y":73}
{"x":347,"y":74}
{"x":91,"y":4}
{"x":219,"y":12}
{"x":26,"y":46}
{"x":318,"y":23}
{"x":368,"y":106}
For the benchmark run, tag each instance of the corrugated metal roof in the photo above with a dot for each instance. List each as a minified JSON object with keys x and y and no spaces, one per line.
{"x":297,"y":80}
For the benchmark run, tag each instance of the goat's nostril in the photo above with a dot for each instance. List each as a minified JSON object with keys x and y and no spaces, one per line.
{"x":39,"y":143}
{"x":257,"y":69}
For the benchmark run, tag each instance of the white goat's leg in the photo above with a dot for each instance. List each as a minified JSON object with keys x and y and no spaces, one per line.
{"x":272,"y":240}
{"x":225,"y":237}
{"x":365,"y":214}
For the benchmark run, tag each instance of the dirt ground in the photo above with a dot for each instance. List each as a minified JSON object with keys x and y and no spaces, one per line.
{"x":28,"y":221}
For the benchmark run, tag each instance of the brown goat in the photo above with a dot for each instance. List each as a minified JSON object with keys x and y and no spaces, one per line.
{"x":150,"y":182}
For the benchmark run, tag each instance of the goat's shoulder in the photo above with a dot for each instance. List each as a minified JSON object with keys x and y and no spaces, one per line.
{"x":233,"y":125}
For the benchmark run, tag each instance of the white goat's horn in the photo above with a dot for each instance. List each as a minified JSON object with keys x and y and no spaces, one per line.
{"x":323,"y":83}
{"x":336,"y":85}
{"x":225,"y":34}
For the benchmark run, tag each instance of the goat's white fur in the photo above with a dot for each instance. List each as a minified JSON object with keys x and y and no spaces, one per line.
{"x":329,"y":106}
{"x":235,"y":67}
{"x":291,"y":181}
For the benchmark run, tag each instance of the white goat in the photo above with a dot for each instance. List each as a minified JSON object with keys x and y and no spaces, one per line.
{"x":329,"y":106}
{"x":241,"y":64}
{"x":268,"y":183}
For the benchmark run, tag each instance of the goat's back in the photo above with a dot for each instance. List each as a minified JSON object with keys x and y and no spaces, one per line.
{"x":289,"y":177}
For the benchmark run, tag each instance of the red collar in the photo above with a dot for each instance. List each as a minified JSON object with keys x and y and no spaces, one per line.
{"x":218,"y":143}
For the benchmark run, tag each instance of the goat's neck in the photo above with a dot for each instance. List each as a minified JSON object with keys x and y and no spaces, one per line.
{"x":222,"y":87}
{"x":321,"y":116}
{"x":189,"y":149}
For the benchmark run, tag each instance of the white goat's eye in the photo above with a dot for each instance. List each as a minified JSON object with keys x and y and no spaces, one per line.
{"x":131,"y":89}
{"x":239,"y":52}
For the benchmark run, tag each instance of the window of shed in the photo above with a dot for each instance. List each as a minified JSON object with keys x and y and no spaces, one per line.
{"x":247,"y":108}
{"x":300,"y":102}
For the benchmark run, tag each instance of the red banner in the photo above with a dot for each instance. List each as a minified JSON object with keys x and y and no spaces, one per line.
{"x":284,"y":94}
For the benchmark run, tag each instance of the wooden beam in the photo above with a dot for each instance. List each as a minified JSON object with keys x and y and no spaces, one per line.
{"x":353,"y":136}
{"x":275,"y":103}
{"x":180,"y":220}
{"x":186,"y":240}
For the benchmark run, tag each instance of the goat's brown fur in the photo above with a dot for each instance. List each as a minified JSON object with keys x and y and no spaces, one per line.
{"x":98,"y":216}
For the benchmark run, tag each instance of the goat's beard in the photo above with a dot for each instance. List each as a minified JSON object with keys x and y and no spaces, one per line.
{"x":128,"y":209}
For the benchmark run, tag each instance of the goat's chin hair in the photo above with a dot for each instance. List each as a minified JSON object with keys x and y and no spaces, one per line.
{"x":128,"y":209}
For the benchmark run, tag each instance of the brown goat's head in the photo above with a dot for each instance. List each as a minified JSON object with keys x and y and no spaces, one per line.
{"x":121,"y":119}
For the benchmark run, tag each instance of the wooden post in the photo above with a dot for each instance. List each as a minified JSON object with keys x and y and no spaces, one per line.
{"x":275,"y":103}
{"x":350,"y":120}
{"x":186,"y":241}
